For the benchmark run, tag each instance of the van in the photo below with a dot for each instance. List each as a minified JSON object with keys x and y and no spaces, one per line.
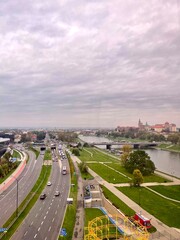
{"x":142,"y":220}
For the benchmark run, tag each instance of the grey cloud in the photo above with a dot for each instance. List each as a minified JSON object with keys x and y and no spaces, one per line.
{"x":89,"y":60}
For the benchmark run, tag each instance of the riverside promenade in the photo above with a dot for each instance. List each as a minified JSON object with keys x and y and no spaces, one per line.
{"x":4,"y":185}
{"x":163,"y":231}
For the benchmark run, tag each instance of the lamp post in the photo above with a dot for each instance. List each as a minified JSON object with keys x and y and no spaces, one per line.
{"x":139,"y":197}
{"x":17,"y":182}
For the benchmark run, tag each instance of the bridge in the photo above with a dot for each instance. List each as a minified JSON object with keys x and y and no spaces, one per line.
{"x":135,"y":145}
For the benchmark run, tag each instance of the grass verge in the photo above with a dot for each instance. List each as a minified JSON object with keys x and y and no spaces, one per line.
{"x":37,"y":152}
{"x":168,"y":191}
{"x":16,"y":154}
{"x":47,"y":155}
{"x":117,"y":202}
{"x":70,"y":217}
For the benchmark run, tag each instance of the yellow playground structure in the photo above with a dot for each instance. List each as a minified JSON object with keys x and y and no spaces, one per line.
{"x":114,"y":227}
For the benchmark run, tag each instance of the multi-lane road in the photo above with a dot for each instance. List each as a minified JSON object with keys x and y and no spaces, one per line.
{"x":44,"y":220}
{"x":8,"y":199}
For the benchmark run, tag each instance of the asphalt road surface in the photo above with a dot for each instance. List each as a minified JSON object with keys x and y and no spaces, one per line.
{"x":27,"y":179}
{"x":45,"y":218}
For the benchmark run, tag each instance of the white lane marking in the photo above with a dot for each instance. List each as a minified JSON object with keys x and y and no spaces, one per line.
{"x":53,"y":220}
{"x":50,"y":203}
{"x":40,"y":209}
{"x":44,"y":217}
{"x":43,"y":203}
{"x":49,"y":208}
{"x":42,"y":223}
{"x":39,"y":229}
{"x":46,"y":212}
{"x":58,"y":205}
{"x":56,"y":212}
{"x":35,"y":235}
{"x":25,"y":233}
{"x":36,"y":215}
{"x":45,"y":238}
{"x":31,"y":223}
{"x":49,"y":229}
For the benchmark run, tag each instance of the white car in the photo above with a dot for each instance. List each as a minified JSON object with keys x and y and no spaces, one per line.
{"x":57,"y":193}
{"x":49,"y":184}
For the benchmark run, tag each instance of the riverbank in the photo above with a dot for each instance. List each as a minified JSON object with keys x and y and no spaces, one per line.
{"x":169,"y":147}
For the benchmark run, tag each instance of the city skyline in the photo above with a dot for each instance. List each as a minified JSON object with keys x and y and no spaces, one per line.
{"x":89,"y":63}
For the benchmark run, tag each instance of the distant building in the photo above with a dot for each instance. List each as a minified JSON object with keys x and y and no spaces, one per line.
{"x":165,"y":127}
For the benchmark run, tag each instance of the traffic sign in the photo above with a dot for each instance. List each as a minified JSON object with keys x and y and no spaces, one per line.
{"x":63,"y":232}
{"x":3,"y":229}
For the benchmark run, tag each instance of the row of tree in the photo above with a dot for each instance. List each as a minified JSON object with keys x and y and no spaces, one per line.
{"x":174,"y":138}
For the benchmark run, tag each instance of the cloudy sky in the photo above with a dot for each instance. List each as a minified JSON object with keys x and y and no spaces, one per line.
{"x":89,"y":63}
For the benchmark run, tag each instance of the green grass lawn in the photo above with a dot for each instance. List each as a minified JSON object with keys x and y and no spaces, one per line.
{"x":91,"y":213}
{"x":107,"y":174}
{"x":47,"y":155}
{"x":87,"y":176}
{"x":96,"y":156}
{"x":16,"y":154}
{"x":37,"y":152}
{"x":151,"y":178}
{"x":172,"y":148}
{"x":168,"y":191}
{"x":165,"y":210}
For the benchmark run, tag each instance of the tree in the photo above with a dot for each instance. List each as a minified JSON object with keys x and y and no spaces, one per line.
{"x":126,"y":151}
{"x":76,"y":152}
{"x":1,"y":172}
{"x":85,"y":144}
{"x":79,"y":144}
{"x":174,"y":138}
{"x":83,"y":167}
{"x":124,"y":158}
{"x":137,"y":178}
{"x":140,"y":160}
{"x":126,"y":148}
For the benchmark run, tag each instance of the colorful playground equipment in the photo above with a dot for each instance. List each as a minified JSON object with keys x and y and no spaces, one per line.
{"x":114,"y":227}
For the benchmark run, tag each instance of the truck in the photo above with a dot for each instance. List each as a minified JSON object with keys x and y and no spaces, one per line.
{"x":142,"y":220}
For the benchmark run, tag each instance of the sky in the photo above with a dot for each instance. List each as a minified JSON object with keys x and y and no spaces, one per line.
{"x":89,"y":63}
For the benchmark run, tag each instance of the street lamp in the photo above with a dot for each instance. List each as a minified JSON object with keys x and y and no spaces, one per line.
{"x":17,"y":181}
{"x":139,"y":197}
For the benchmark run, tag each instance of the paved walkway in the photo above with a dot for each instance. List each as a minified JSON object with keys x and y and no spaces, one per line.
{"x":163,"y":230}
{"x":79,"y":224}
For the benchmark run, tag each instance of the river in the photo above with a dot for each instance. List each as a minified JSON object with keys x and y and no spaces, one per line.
{"x":165,"y":161}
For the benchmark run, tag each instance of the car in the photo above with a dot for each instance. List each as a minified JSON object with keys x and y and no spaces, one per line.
{"x":57,"y":193}
{"x":49,"y":184}
{"x":43,"y":196}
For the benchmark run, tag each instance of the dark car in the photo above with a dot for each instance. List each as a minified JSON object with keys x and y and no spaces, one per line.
{"x":57,"y":193}
{"x":43,"y":196}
